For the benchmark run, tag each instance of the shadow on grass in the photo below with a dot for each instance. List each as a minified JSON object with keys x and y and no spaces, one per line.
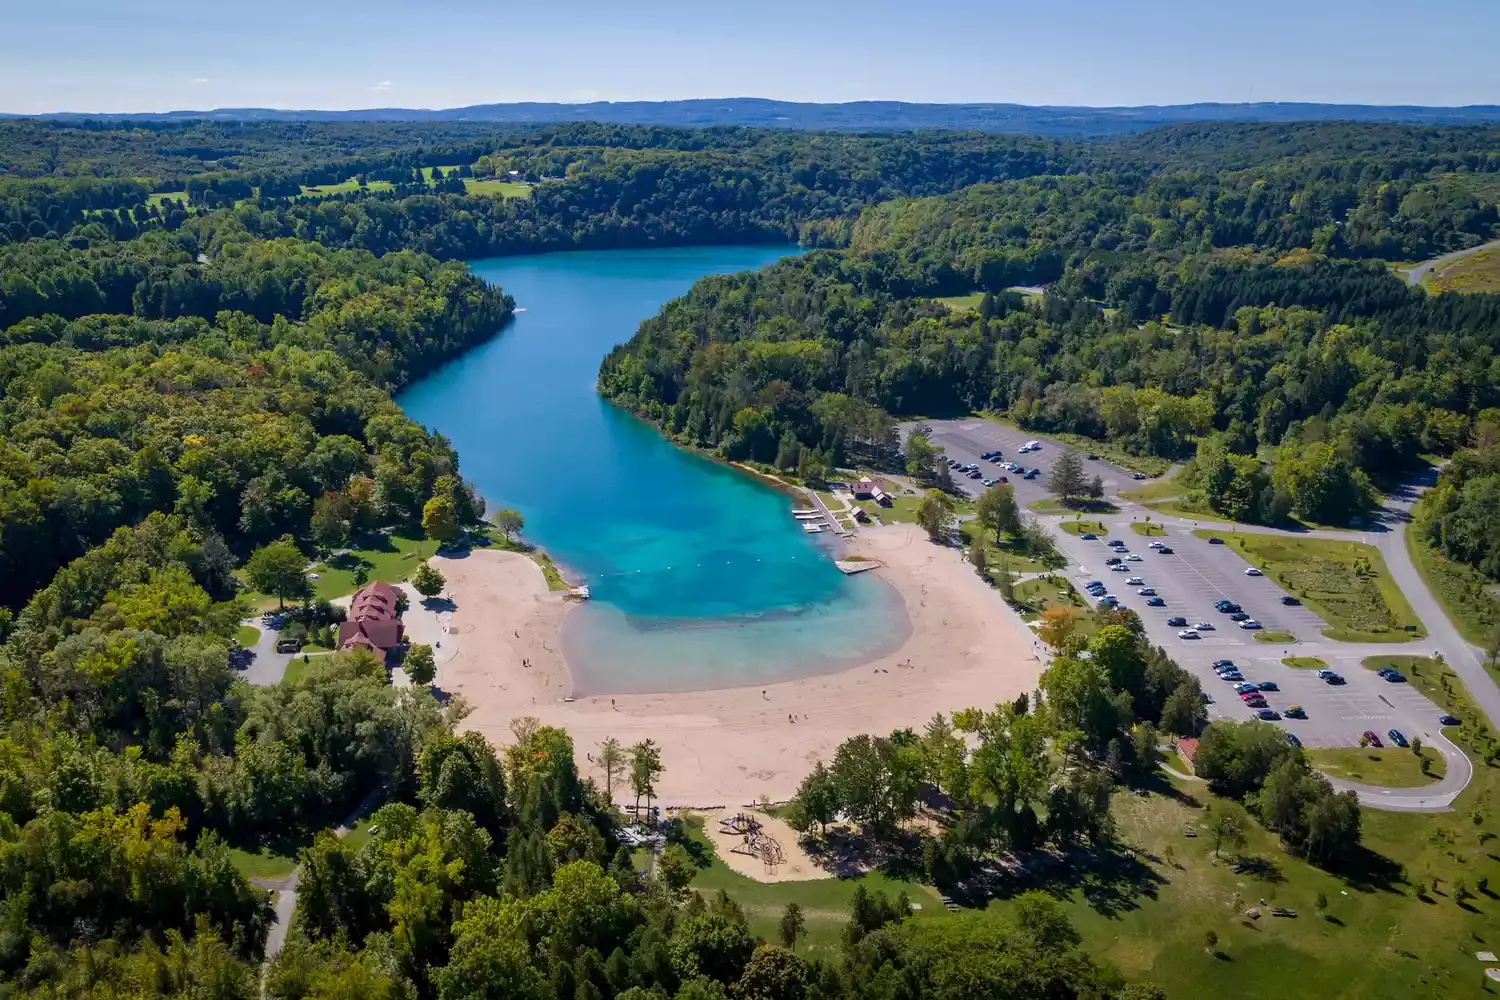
{"x":1112,"y":879}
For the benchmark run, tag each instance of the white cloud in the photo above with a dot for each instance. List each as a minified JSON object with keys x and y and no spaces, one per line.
{"x":200,"y":79}
{"x":382,"y":85}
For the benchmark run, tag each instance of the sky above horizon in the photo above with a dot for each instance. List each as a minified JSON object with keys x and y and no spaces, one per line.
{"x":150,"y":55}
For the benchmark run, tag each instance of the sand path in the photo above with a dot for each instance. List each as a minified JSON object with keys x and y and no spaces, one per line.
{"x":730,"y":747}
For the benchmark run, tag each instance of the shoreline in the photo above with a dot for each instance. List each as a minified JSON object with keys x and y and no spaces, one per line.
{"x":731,"y":746}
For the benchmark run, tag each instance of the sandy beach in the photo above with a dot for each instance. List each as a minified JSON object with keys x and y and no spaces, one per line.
{"x":733,"y":746}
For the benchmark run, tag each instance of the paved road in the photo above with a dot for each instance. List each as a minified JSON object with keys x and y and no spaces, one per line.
{"x":1416,"y":274}
{"x":1428,"y":798}
{"x":266,"y":666}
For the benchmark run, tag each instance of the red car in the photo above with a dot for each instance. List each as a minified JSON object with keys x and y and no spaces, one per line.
{"x":1372,"y":738}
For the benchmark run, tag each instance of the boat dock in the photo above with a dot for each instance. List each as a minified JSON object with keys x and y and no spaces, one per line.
{"x":851,"y":566}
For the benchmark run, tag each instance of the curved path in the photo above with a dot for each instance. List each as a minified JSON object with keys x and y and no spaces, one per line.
{"x":1424,"y":798}
{"x":1416,"y":274}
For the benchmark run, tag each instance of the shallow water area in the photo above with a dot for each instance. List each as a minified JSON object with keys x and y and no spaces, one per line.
{"x":700,"y":577}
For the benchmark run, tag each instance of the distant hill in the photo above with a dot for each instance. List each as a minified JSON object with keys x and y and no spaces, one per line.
{"x":1075,"y":122}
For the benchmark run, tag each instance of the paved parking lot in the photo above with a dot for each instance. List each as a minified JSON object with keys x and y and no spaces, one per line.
{"x":1190,"y":580}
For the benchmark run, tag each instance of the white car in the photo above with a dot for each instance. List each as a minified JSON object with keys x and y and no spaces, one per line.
{"x":1204,"y":626}
{"x":1250,"y":623}
{"x":1187,"y":633}
{"x":1252,"y":571}
{"x":1133,"y":557}
{"x":1119,"y":568}
{"x":1135,"y":581}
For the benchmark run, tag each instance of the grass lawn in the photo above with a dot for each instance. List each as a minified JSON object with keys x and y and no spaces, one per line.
{"x":1160,"y":489}
{"x":824,"y":902}
{"x":246,"y":635}
{"x":1193,"y":510}
{"x":1148,"y":528}
{"x":1359,"y":606}
{"x":1478,"y":272}
{"x":349,"y":186}
{"x":1392,"y":767}
{"x":903,"y":510}
{"x":1305,"y":662}
{"x":1043,"y":593}
{"x":1462,"y":591}
{"x":1148,"y":464}
{"x":161,"y":197}
{"x":490,"y":187}
{"x":1017,"y":560}
{"x":359,"y":834}
{"x":1084,"y":527}
{"x":262,"y":863}
{"x":1051,"y":505}
{"x":962,"y":303}
{"x":553,"y":575}
{"x":1273,"y":636}
{"x":388,"y":558}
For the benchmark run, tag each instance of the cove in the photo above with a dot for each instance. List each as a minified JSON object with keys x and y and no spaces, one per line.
{"x":699,"y":576}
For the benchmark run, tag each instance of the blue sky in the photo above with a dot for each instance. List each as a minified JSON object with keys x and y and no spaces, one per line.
{"x":150,"y":55}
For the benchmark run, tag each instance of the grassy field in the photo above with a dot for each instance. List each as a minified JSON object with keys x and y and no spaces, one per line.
{"x":1051,"y":505}
{"x":492,"y":188}
{"x":262,"y":863}
{"x":1392,"y":767}
{"x":1478,"y":272}
{"x":961,"y":303}
{"x":349,"y":186}
{"x":1345,"y":583}
{"x":1304,"y":662}
{"x":1043,"y":593}
{"x":1017,"y":560}
{"x":1462,"y":591}
{"x":161,"y":197}
{"x":1159,"y":489}
{"x":1193,"y":510}
{"x":1149,"y":464}
{"x":903,"y":510}
{"x":1084,"y":527}
{"x":388,"y":558}
{"x":1149,"y":529}
{"x":247,"y":635}
{"x":1269,"y":635}
{"x":1146,"y":907}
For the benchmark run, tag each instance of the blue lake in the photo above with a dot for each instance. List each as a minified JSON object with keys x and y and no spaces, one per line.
{"x":699,"y":575}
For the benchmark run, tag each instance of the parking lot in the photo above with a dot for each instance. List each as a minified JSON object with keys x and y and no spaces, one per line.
{"x":1189,"y":581}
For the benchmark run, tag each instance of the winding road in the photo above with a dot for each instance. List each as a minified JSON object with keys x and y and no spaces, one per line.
{"x":1416,"y":274}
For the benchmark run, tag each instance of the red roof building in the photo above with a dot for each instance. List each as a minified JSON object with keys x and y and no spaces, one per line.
{"x":1187,"y":749}
{"x":374,"y":620}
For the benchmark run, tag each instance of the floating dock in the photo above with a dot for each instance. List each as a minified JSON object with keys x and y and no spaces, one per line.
{"x":852,"y":566}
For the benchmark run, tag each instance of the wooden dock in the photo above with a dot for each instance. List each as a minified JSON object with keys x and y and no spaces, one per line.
{"x":852,"y":566}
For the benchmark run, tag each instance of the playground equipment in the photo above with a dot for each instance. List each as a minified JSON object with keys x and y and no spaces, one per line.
{"x":756,"y":842}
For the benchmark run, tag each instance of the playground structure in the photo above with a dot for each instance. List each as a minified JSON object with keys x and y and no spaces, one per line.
{"x":756,"y":843}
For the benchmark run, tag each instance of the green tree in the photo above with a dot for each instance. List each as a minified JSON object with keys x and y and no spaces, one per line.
{"x":612,"y":763}
{"x":921,"y":455}
{"x":935,"y":515}
{"x":676,"y":870}
{"x":818,"y":796}
{"x":428,"y":580}
{"x":438,"y":518}
{"x":793,"y":926}
{"x":1066,"y":480}
{"x":509,"y":522}
{"x":645,"y":768}
{"x":419,"y":664}
{"x":279,"y":569}
{"x":1228,"y":823}
{"x":997,"y":511}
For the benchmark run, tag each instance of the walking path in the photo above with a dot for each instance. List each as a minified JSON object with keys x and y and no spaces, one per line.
{"x":1436,"y":797}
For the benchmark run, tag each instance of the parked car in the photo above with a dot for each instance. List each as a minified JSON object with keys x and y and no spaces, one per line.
{"x":1204,"y":626}
{"x":1133,"y":557}
{"x":1155,"y":602}
{"x":1222,"y":663}
{"x":1252,"y":571}
{"x":1145,"y":591}
{"x":1226,"y":606}
{"x":1268,"y":714}
{"x":1324,"y":674}
{"x":1165,"y":550}
{"x":1232,"y":675}
{"x":1250,"y":624}
{"x":1268,"y":686}
{"x":1397,"y":737}
{"x":1239,"y":616}
{"x":1030,"y":475}
{"x":1290,"y":601}
{"x":988,"y":483}
{"x":1188,"y":633}
{"x":1371,"y":738}
{"x":1393,"y":676}
{"x":288,"y":645}
{"x":1120,"y":568}
{"x":1334,"y":679}
{"x":1112,"y":560}
{"x":1291,"y":738}
{"x":1295,"y":712}
{"x":1089,"y":536}
{"x":1176,"y":620}
{"x":1156,"y":545}
{"x":1216,"y":541}
{"x":1137,"y":476}
{"x":1134,"y":581}
{"x":1245,"y":687}
{"x":1449,"y":720}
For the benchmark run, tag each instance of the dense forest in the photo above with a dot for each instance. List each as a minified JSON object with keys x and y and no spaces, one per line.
{"x":197,"y":356}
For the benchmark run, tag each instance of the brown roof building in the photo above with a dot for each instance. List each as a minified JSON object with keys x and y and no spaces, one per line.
{"x":374,"y":621}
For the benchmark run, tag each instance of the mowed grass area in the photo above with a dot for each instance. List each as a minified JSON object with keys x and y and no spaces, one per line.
{"x":1009,"y":549}
{"x":1269,"y":635}
{"x":1345,"y":583}
{"x":388,"y":558}
{"x":1158,"y":489}
{"x":1043,"y":593}
{"x":350,"y":186}
{"x":1390,"y":766}
{"x":1463,"y":592}
{"x":1051,"y":505}
{"x":1150,"y":529}
{"x":1382,"y":936}
{"x":1305,"y":662}
{"x":824,"y":902}
{"x":1478,"y":272}
{"x":1192,"y":508}
{"x":161,"y":197}
{"x":247,"y":635}
{"x":262,"y":863}
{"x":1084,"y":527}
{"x":962,"y":303}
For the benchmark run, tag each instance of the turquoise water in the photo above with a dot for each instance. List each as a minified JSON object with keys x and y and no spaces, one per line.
{"x":700,"y":577}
